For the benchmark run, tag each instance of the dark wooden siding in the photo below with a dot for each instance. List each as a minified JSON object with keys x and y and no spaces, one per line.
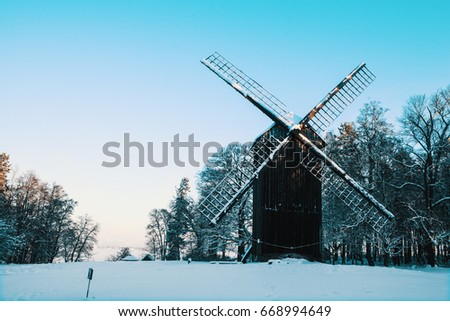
{"x":287,"y":213}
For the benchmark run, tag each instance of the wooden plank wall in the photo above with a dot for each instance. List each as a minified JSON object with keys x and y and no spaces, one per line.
{"x":287,"y":209}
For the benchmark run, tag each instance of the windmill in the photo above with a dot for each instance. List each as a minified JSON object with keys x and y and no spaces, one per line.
{"x":287,"y":199}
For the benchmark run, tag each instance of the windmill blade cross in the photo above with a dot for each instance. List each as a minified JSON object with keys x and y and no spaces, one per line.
{"x":351,"y":192}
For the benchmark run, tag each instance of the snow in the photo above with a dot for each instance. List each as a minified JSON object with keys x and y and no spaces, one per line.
{"x":293,"y":118}
{"x":280,"y":280}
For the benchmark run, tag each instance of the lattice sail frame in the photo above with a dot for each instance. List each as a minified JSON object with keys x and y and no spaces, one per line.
{"x":334,"y":184}
{"x":334,"y":178}
{"x":245,"y":85}
{"x":334,"y":103}
{"x":222,"y":198}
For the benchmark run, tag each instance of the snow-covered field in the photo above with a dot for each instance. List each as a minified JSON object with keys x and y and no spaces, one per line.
{"x":282,"y":280}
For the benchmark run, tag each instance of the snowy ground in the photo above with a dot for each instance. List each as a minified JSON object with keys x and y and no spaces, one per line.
{"x":298,"y":280}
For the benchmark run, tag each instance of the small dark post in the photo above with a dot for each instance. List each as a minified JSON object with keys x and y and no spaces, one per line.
{"x":90,"y":274}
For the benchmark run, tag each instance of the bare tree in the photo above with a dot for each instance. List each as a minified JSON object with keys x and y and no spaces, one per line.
{"x":157,"y":233}
{"x":26,"y":197}
{"x":55,"y":218}
{"x":426,"y":128}
{"x":79,"y":239}
{"x":36,"y":224}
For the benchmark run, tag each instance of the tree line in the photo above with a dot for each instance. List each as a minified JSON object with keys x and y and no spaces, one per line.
{"x":407,"y":168}
{"x":37,"y":224}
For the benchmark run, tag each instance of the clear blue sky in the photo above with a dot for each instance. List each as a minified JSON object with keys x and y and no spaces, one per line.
{"x":74,"y":75}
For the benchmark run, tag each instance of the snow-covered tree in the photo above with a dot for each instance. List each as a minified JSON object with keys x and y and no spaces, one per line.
{"x":180,"y":219}
{"x":339,"y":227}
{"x":426,"y":128}
{"x":37,"y":218}
{"x":233,"y":230}
{"x":365,"y":149}
{"x":408,"y":173}
{"x":157,"y":233}
{"x":79,"y":239}
{"x":7,"y":240}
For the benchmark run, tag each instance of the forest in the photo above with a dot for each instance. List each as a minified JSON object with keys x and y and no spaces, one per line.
{"x":406,"y":166}
{"x":37,"y":223}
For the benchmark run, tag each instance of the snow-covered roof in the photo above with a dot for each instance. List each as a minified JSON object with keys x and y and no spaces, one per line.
{"x":130,"y":258}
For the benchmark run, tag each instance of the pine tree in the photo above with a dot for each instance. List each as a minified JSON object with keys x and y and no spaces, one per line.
{"x":180,"y":219}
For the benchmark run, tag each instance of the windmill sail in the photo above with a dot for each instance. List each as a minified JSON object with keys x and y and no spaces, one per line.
{"x":222,"y":198}
{"x":361,"y":208}
{"x":362,"y":204}
{"x":334,"y":103}
{"x":247,"y":87}
{"x":317,"y":120}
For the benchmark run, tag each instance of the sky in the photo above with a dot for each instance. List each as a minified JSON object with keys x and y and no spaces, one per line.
{"x":75,"y":75}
